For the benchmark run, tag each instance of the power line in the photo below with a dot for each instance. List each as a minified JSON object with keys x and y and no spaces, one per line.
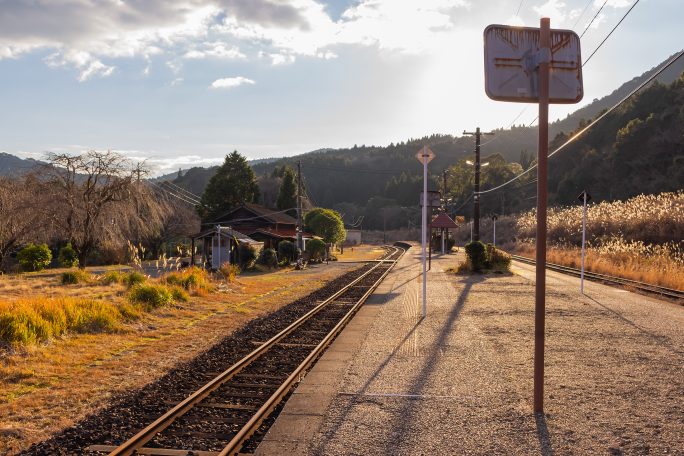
{"x":611,"y":32}
{"x":183,"y":190}
{"x":593,"y":19}
{"x":582,"y":131}
{"x":579,"y":18}
{"x":193,"y":199}
{"x":600,"y":44}
{"x":519,"y":5}
{"x":386,"y":171}
{"x":167,"y":191}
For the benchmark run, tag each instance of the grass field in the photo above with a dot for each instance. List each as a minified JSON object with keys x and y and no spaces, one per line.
{"x":47,"y":385}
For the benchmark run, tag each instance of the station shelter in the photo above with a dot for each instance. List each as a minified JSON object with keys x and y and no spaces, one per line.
{"x":443,"y":223}
{"x":213,"y":247}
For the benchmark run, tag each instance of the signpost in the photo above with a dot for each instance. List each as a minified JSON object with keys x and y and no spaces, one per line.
{"x":535,"y":65}
{"x":425,"y":156}
{"x":584,"y":197}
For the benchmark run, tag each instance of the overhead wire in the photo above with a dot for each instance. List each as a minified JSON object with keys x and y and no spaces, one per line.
{"x":579,"y":18}
{"x":593,"y":19}
{"x":167,"y":191}
{"x":183,"y":190}
{"x":193,"y":199}
{"x":600,"y":44}
{"x":594,"y":122}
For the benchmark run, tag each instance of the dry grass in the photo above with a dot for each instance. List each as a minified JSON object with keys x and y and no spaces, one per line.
{"x":46,"y":387}
{"x":360,"y":252}
{"x":659,"y":270}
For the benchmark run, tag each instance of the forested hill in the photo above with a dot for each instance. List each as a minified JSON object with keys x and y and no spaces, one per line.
{"x":636,"y":149}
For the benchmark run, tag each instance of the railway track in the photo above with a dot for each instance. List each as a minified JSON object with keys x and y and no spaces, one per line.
{"x":670,"y":293}
{"x":229,"y":414}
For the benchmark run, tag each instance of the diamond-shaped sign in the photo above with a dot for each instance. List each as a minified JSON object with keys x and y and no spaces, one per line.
{"x":425,"y":153}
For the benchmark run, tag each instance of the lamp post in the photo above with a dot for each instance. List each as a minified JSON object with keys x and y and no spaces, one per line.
{"x":494,"y":218}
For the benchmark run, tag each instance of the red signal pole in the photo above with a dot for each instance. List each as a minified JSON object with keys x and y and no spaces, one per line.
{"x":542,"y":168}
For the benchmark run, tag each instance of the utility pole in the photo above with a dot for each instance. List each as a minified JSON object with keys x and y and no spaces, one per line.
{"x":476,"y":198}
{"x":444,"y":176}
{"x":299,"y":209}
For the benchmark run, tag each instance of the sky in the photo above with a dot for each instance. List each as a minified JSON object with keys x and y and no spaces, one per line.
{"x":182,"y":83}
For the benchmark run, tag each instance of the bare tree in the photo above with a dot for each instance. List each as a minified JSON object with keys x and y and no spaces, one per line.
{"x":20,"y":212}
{"x":86,"y":191}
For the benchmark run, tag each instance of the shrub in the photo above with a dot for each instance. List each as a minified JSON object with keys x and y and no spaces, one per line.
{"x":247,"y":255}
{"x":192,"y":279}
{"x":287,"y":251}
{"x":450,"y":242}
{"x":111,"y":277}
{"x":34,"y":257}
{"x":229,"y":271}
{"x":67,"y":257}
{"x":33,"y":320}
{"x":134,"y":278}
{"x":497,"y":259}
{"x":150,"y":296}
{"x":74,"y":277}
{"x":268,"y":257}
{"x":475,"y":251}
{"x":179,"y":294}
{"x":315,"y":248}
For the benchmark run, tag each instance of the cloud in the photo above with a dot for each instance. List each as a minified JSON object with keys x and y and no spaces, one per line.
{"x":228,"y":83}
{"x":216,"y":49}
{"x":554,"y":9}
{"x":93,"y":36}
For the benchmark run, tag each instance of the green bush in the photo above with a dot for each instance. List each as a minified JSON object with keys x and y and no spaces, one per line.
{"x":74,"y":277}
{"x":268,"y":257}
{"x":192,"y":279}
{"x":477,"y":255}
{"x":111,"y":277}
{"x":134,"y":278}
{"x":179,"y":294}
{"x":315,"y":248}
{"x":287,"y":251}
{"x":150,"y":296}
{"x":34,"y":257}
{"x":247,"y":255}
{"x":497,"y":259}
{"x":67,"y":257}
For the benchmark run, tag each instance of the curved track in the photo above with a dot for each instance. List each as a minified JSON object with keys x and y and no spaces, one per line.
{"x":670,"y":293}
{"x":227,"y":414}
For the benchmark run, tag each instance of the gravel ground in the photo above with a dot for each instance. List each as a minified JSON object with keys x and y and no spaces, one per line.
{"x":460,"y":382}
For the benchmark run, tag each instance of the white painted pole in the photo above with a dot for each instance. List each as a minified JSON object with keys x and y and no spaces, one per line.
{"x":584,"y":237}
{"x":471,"y":231}
{"x":442,"y":241}
{"x":218,"y":232}
{"x":494,"y":236}
{"x":424,"y":238}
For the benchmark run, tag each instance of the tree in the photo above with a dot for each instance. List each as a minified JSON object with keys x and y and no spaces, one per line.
{"x":86,"y":191}
{"x":233,"y":183}
{"x":21,"y":211}
{"x":287,"y":196}
{"x":327,"y":224}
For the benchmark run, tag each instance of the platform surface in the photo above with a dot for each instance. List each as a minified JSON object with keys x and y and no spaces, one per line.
{"x":460,"y":381}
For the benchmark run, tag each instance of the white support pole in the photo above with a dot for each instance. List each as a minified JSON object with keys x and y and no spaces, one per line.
{"x":218,"y":232}
{"x":442,"y":241}
{"x":471,"y":231}
{"x":424,"y":233}
{"x":584,"y":237}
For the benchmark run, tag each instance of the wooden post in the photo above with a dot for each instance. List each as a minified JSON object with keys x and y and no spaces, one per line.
{"x":542,"y":168}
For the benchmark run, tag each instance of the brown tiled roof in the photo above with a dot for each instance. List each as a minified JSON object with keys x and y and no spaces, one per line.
{"x":272,"y":215}
{"x":443,"y":221}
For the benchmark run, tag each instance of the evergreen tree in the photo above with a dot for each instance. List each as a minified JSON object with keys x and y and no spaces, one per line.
{"x":233,"y":183}
{"x":287,"y":196}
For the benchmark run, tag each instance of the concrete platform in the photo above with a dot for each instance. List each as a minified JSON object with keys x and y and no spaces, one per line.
{"x":460,"y":381}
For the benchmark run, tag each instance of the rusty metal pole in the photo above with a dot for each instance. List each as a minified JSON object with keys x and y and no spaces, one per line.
{"x":542,"y":168}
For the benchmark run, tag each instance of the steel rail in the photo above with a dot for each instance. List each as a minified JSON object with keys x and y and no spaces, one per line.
{"x":595,"y":276}
{"x":145,"y":435}
{"x":264,"y":411}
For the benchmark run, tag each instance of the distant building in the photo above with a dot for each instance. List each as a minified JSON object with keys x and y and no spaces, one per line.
{"x":353,"y":237}
{"x":260,"y":223}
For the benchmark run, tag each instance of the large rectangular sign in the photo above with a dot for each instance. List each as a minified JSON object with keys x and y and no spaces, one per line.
{"x":512,"y":57}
